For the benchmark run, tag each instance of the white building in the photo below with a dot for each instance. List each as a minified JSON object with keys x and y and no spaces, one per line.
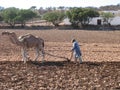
{"x":114,"y":21}
{"x":99,"y":20}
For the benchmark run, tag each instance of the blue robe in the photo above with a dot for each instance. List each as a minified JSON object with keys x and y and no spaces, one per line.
{"x":76,"y":49}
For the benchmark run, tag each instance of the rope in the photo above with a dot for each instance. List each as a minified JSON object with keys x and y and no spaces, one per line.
{"x":56,"y":56}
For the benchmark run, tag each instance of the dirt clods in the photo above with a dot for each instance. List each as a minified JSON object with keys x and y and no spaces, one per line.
{"x":59,"y":75}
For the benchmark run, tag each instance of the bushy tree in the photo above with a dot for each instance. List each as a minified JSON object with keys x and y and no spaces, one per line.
{"x":1,"y":18}
{"x":81,"y":16}
{"x":55,"y":17}
{"x":74,"y":14}
{"x":9,"y":15}
{"x":88,"y":14}
{"x":24,"y":15}
{"x":14,"y":15}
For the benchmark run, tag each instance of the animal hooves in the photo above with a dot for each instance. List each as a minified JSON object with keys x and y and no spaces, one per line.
{"x":43,"y":61}
{"x":24,"y":62}
{"x":68,"y":59}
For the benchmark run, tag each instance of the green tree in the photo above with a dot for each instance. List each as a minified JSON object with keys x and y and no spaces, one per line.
{"x":24,"y":15}
{"x":88,"y":14}
{"x":14,"y":15}
{"x":9,"y":15}
{"x":1,"y":18}
{"x":107,"y":17}
{"x":81,"y":16}
{"x":55,"y":17}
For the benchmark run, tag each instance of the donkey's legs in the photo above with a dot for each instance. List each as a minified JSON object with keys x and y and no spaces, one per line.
{"x":24,"y":55}
{"x":37,"y":54}
{"x":43,"y":54}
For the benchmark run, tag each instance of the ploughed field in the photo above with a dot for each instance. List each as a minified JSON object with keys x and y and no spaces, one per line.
{"x":100,"y":69}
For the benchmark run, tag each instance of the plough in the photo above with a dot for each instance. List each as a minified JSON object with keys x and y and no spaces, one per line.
{"x":57,"y":56}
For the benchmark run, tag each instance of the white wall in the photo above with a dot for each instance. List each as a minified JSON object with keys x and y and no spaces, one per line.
{"x":115,"y":21}
{"x":94,"y":21}
{"x":66,"y":21}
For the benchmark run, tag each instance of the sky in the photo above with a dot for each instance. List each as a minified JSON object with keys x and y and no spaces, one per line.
{"x":26,"y":4}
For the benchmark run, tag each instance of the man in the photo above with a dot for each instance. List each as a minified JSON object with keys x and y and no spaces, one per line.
{"x":76,"y":51}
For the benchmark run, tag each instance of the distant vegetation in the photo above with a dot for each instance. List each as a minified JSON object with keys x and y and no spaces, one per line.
{"x":110,"y":7}
{"x":55,"y":15}
{"x":13,"y":16}
{"x":81,"y":16}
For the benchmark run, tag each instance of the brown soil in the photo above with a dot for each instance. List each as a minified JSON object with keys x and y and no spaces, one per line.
{"x":100,"y":70}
